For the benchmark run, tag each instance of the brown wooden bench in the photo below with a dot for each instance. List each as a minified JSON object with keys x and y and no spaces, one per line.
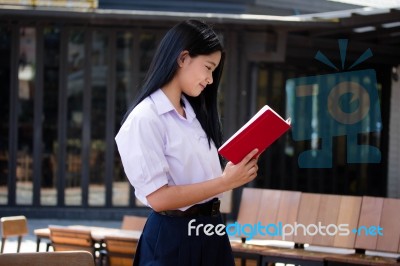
{"x":248,"y":214}
{"x":264,"y":206}
{"x":375,"y":211}
{"x":351,"y":212}
{"x":320,"y":210}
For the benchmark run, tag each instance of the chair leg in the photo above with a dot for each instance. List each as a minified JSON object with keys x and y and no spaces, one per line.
{"x":37,"y":243}
{"x":3,"y":242}
{"x":103,"y":258}
{"x":19,"y":243}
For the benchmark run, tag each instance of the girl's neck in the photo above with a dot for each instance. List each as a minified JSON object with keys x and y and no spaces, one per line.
{"x":174,"y":95}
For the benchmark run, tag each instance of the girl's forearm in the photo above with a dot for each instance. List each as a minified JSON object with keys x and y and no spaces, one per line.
{"x":174,"y":197}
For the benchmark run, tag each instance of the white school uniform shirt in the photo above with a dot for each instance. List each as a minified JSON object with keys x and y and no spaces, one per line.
{"x":158,"y":146}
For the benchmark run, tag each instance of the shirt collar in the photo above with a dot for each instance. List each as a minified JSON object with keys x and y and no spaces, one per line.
{"x":164,"y":105}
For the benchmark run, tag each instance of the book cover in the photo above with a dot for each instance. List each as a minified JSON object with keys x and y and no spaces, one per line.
{"x":259,"y":132}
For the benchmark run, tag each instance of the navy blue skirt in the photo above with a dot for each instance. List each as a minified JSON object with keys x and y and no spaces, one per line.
{"x":165,"y":241}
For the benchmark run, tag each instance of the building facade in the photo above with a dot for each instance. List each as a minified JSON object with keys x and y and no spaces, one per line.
{"x":68,"y":76}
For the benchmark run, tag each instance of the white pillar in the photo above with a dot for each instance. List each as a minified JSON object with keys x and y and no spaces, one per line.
{"x":393,"y":188}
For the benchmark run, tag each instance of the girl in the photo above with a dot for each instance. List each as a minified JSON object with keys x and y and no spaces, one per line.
{"x":168,"y":145}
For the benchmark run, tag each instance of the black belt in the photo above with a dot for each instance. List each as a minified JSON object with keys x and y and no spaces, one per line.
{"x":210,"y":208}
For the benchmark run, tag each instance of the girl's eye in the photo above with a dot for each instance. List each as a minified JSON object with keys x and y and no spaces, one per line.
{"x":209,"y":68}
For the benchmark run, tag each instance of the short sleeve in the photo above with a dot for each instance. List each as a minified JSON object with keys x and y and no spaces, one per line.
{"x":141,"y":147}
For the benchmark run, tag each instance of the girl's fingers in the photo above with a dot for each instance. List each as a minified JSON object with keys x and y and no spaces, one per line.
{"x":250,"y":156}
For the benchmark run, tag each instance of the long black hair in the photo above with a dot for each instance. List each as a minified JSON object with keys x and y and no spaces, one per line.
{"x":197,"y":38}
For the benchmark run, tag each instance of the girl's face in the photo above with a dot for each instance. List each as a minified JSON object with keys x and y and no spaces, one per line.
{"x":195,"y":73}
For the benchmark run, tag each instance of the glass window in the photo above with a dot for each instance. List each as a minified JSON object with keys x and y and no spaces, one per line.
{"x":75,"y":86}
{"x":100,"y":65}
{"x":124,"y":96}
{"x":262,"y":87}
{"x":148,"y":45}
{"x":125,"y":90}
{"x":5,"y":52}
{"x":26,"y":88}
{"x":51,"y":64}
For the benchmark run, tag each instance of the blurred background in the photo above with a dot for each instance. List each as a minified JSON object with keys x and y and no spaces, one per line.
{"x":69,"y":70}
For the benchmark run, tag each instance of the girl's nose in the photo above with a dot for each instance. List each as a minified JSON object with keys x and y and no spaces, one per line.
{"x":209,"y":80}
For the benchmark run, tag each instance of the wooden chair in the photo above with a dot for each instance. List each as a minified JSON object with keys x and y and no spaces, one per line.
{"x":69,"y":239}
{"x":42,"y":234}
{"x":13,"y":226}
{"x":132,"y":222}
{"x":120,"y":251}
{"x":59,"y":258}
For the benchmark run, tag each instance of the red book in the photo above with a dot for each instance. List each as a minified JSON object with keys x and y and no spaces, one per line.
{"x":259,"y":132}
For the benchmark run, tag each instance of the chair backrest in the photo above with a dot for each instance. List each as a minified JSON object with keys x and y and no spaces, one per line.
{"x":268,"y":207}
{"x":226,"y":202}
{"x":132,"y":222}
{"x":379,"y":227}
{"x":278,"y":207}
{"x":330,"y":211}
{"x":120,"y":250}
{"x":65,"y":238}
{"x":58,"y":258}
{"x":14,"y":226}
{"x":390,"y":224}
{"x":249,"y":205}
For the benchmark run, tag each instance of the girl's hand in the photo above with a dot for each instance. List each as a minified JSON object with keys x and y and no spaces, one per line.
{"x":236,"y":175}
{"x":174,"y":197}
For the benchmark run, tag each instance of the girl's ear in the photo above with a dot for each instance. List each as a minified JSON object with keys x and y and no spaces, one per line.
{"x":182,"y":57}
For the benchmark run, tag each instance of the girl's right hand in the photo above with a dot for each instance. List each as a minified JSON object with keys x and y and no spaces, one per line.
{"x":236,"y":175}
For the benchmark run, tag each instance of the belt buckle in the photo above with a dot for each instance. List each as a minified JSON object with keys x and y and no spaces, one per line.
{"x":215,"y":208}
